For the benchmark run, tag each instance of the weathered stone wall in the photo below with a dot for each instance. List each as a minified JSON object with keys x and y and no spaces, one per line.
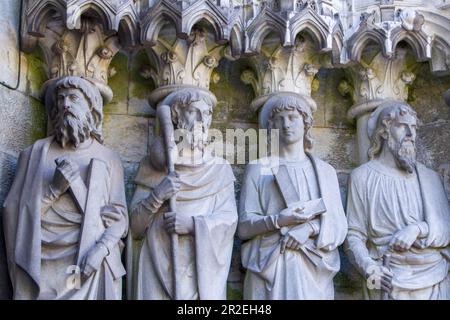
{"x":129,"y":126}
{"x":22,"y":114}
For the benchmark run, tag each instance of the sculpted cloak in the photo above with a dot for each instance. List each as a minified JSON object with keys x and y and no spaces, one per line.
{"x":42,"y":246}
{"x":290,"y":275}
{"x":207,"y":195}
{"x":382,"y":201}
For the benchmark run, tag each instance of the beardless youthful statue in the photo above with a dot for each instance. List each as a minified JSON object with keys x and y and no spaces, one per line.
{"x":206,"y":216}
{"x":398,"y":213}
{"x":291,"y":218}
{"x":66,"y":213}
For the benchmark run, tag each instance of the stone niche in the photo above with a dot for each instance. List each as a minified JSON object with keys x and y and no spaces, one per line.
{"x":359,"y":56}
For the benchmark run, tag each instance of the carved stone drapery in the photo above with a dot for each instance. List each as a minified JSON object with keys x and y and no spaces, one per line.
{"x":64,"y":29}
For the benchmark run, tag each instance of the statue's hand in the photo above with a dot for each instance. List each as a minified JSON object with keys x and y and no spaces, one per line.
{"x":301,"y":233}
{"x":290,"y":216}
{"x":168,"y":187}
{"x":110,"y":215}
{"x":289,"y":242}
{"x":66,"y":172}
{"x":296,"y":237}
{"x":94,"y":259}
{"x":405,"y":238}
{"x":383,"y":274}
{"x":178,"y":223}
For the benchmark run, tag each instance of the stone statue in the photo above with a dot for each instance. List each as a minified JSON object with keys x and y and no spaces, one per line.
{"x":66,"y":213}
{"x":398,"y":213}
{"x":291,"y":215}
{"x":206,"y":216}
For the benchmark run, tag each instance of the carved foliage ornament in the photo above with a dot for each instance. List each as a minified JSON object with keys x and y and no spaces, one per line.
{"x":85,"y":52}
{"x":290,"y":69}
{"x":382,"y":78}
{"x":185,"y":62}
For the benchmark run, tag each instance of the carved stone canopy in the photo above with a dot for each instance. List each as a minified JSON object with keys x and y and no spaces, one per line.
{"x":338,"y":26}
{"x":388,"y":27}
{"x":116,"y":17}
{"x":84,"y":53}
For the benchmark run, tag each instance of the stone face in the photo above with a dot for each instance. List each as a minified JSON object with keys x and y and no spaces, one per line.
{"x":129,"y":123}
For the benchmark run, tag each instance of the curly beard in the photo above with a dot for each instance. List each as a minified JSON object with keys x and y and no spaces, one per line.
{"x":404,"y":154}
{"x":73,"y":127}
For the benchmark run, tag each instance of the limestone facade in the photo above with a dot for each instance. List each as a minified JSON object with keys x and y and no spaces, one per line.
{"x":345,"y":56}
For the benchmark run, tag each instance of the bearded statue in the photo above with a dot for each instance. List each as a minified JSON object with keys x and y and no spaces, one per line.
{"x":398,"y":214}
{"x":66,"y":212}
{"x":205,"y":218}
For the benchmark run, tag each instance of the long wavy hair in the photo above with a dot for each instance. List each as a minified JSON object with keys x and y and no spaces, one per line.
{"x":384,"y":121}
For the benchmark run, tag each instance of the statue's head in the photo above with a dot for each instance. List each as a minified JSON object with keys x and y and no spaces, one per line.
{"x":292,"y":116}
{"x":75,"y":111}
{"x":393,"y":128}
{"x":192,"y":113}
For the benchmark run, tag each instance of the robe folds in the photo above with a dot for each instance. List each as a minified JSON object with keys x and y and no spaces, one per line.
{"x":42,"y":246}
{"x":290,"y":275}
{"x":383,"y":201}
{"x":207,"y":195}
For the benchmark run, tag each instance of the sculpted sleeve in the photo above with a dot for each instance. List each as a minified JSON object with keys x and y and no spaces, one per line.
{"x":355,"y":245}
{"x":252,"y":221}
{"x":117,"y":203}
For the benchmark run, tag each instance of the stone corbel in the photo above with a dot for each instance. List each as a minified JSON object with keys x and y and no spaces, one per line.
{"x":284,"y":70}
{"x":80,"y":38}
{"x":371,"y":83}
{"x":183,"y":63}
